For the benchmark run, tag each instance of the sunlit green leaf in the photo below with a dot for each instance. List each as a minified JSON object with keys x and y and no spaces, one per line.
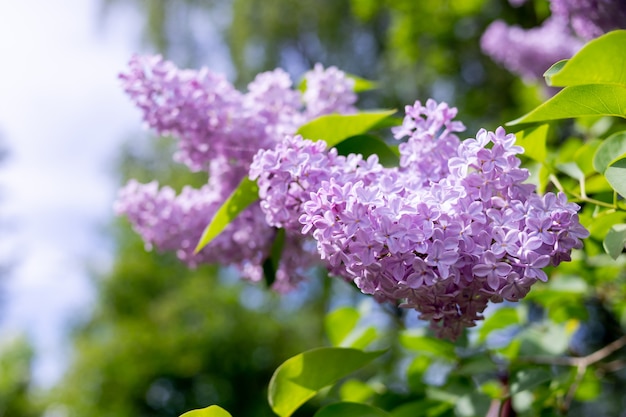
{"x":611,"y":149}
{"x":348,"y":409}
{"x":601,"y":224}
{"x":579,"y":100}
{"x":339,"y":323}
{"x":589,"y":388}
{"x":354,"y":390}
{"x":600,"y":61}
{"x":533,"y":140}
{"x":584,"y":156}
{"x":333,"y":128}
{"x":597,"y":184}
{"x":211,"y":411}
{"x":554,"y":69}
{"x":299,"y":378}
{"x":616,"y":176}
{"x":361,"y":84}
{"x":615,"y":240}
{"x":246,"y":193}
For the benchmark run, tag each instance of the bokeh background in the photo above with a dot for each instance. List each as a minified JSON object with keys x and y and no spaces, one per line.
{"x":91,"y":324}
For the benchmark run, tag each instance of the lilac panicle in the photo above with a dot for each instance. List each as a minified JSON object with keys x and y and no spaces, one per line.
{"x":219,"y":130}
{"x":328,"y":91}
{"x":529,"y":52}
{"x":591,"y":18}
{"x":445,"y":245}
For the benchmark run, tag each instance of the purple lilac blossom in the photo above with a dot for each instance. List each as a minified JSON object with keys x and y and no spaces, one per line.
{"x":328,"y":91}
{"x":529,"y":52}
{"x":591,"y":18}
{"x":219,"y":130}
{"x":444,"y":244}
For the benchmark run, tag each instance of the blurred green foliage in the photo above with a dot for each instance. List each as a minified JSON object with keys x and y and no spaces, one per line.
{"x":17,"y":398}
{"x":164,"y":339}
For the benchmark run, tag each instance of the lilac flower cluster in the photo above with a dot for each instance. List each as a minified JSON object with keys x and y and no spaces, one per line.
{"x":591,"y":18}
{"x":444,"y":242}
{"x":530,"y":52}
{"x":219,"y":130}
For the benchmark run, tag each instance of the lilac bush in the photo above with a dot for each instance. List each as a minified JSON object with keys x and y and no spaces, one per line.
{"x":450,"y":229}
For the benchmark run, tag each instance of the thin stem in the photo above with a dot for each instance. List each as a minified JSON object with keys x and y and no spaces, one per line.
{"x":581,"y":365}
{"x":556,"y":183}
{"x":588,"y":360}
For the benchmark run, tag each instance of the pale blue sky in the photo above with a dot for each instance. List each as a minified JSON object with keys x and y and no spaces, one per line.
{"x":62,"y":119}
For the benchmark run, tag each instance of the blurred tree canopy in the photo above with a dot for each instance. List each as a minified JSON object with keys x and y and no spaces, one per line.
{"x":413,"y":49}
{"x":16,"y":395}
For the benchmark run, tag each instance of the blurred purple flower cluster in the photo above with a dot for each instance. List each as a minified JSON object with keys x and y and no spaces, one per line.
{"x":451,"y":229}
{"x":219,"y":129}
{"x":530,"y":52}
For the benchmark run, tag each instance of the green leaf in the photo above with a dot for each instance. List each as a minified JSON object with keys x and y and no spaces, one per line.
{"x":611,"y":149}
{"x":299,"y":378}
{"x":616,"y":176}
{"x":211,"y":411}
{"x":554,"y":69}
{"x":528,"y":378}
{"x":416,"y":341}
{"x":500,"y":319}
{"x":615,"y":240}
{"x":367,"y":145}
{"x":579,"y":100}
{"x":355,"y":390}
{"x":533,"y":140}
{"x":601,"y":61}
{"x":361,"y":340}
{"x":589,"y":388}
{"x":584,"y":156}
{"x":270,"y":265}
{"x":246,"y":193}
{"x":422,"y":408}
{"x":361,"y":84}
{"x":601,"y":225}
{"x":333,"y":128}
{"x":471,"y":405}
{"x":340,"y":323}
{"x":347,"y":409}
{"x":572,"y":169}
